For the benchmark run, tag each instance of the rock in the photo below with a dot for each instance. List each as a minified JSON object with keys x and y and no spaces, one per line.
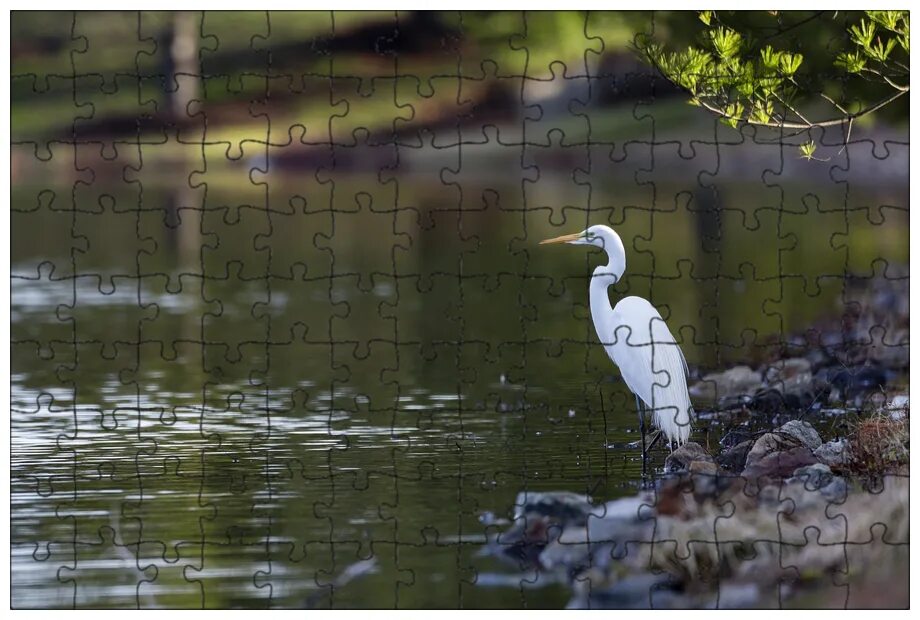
{"x":781,"y":464}
{"x":539,"y":518}
{"x":735,"y":458}
{"x":814,"y":476}
{"x":605,"y":535}
{"x":680,"y":459}
{"x":836,"y":491}
{"x":708,"y":481}
{"x":561,"y":506}
{"x":803,"y":431}
{"x":789,"y":376}
{"x":899,"y":407}
{"x":834,"y":454}
{"x":737,"y":436}
{"x":819,"y":477}
{"x":723,"y":388}
{"x":769,"y":443}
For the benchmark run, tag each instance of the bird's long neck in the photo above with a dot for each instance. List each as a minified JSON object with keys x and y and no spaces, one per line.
{"x":604,"y":277}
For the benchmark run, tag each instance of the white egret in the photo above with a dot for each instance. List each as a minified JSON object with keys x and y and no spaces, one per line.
{"x":638,"y":341}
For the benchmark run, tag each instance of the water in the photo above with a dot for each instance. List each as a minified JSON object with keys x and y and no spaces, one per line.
{"x":229,"y":408}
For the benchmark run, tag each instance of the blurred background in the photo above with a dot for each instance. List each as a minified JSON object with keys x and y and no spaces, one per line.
{"x":278,"y":312}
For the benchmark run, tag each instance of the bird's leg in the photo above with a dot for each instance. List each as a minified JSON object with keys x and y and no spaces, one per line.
{"x":641,"y":413}
{"x":657,"y":437}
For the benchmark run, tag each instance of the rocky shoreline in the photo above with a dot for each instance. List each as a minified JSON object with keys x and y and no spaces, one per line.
{"x":802,"y":515}
{"x":776,"y":515}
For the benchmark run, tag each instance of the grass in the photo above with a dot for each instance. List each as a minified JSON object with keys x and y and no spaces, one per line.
{"x":879,"y":445}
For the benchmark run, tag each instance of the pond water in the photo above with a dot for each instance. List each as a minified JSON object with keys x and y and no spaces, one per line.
{"x":215,"y":404}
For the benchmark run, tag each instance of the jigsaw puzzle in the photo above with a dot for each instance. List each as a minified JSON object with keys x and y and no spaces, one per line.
{"x":284,"y":333}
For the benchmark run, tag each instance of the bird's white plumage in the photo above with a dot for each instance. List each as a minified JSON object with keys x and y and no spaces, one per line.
{"x":637,"y":339}
{"x":641,"y":345}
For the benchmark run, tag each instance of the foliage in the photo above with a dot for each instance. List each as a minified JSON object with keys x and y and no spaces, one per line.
{"x":733,"y":71}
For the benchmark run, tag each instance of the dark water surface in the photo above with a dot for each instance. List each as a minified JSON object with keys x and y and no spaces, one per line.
{"x":229,"y":407}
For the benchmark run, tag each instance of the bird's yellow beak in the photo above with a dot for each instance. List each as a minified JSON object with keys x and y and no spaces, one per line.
{"x":563,"y":238}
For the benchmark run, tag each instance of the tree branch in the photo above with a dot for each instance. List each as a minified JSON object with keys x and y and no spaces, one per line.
{"x":834,"y":122}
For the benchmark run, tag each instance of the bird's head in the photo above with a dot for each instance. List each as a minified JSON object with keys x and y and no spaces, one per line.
{"x":598,"y":236}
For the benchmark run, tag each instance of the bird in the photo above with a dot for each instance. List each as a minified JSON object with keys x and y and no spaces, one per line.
{"x":638,"y":341}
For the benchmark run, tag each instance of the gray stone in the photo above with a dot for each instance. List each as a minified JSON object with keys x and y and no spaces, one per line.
{"x":781,"y":464}
{"x":608,"y":530}
{"x":769,"y":443}
{"x":803,"y":431}
{"x":816,"y":476}
{"x":724,"y":387}
{"x":899,"y":407}
{"x":837,"y":490}
{"x":680,"y":459}
{"x":834,"y":453}
{"x":558,"y":505}
{"x":735,"y":457}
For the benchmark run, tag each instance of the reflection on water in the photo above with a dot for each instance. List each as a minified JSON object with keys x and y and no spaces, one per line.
{"x":232,"y":407}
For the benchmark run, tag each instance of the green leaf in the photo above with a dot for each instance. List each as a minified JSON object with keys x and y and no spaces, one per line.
{"x":733,"y":114}
{"x":726,"y":42}
{"x":886,"y":19}
{"x":852,"y":62}
{"x":789,"y":63}
{"x":762,"y":112}
{"x":769,"y":58}
{"x":808,"y":149}
{"x":863,"y":33}
{"x":706,"y":17}
{"x":885,"y":51}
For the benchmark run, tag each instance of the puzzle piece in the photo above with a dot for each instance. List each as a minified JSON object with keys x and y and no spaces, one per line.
{"x":283,"y":334}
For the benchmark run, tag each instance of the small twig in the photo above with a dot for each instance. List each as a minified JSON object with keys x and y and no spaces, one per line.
{"x":846,"y":140}
{"x":890,"y":83}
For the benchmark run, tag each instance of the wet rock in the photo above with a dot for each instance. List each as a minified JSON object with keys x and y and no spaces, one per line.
{"x":560,"y":506}
{"x":814,"y":476}
{"x":708,"y":480}
{"x":539,"y":518}
{"x":836,"y":491}
{"x":723,"y":388}
{"x":737,"y":436}
{"x":680,"y":459}
{"x":803,"y":431}
{"x":834,"y":454}
{"x":735,"y":458}
{"x":780,"y":464}
{"x":898,"y":407}
{"x":819,"y":477}
{"x":604,"y":536}
{"x":769,"y":443}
